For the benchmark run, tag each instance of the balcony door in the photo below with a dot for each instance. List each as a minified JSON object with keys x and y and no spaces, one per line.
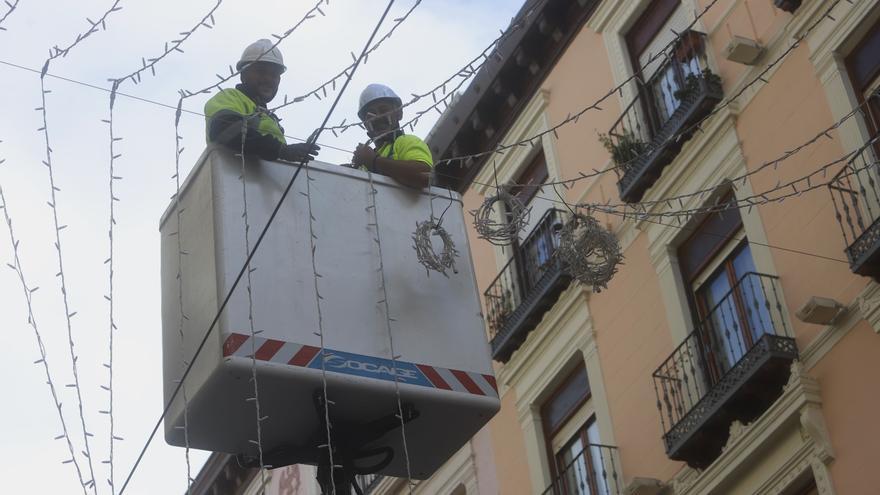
{"x":732,"y":310}
{"x":577,"y":458}
{"x":727,"y":297}
{"x":863,"y":66}
{"x":663,"y":79}
{"x":580,"y":462}
{"x":535,"y":245}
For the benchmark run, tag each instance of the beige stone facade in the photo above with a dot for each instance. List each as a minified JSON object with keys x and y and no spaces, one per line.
{"x":817,"y":435}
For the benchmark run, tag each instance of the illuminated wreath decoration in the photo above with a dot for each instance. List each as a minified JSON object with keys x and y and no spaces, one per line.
{"x":422,"y":243}
{"x":501,"y":233}
{"x":590,"y":252}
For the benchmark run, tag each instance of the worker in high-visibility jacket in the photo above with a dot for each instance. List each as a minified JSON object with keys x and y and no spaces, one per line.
{"x":261,"y":66}
{"x":403,"y":157}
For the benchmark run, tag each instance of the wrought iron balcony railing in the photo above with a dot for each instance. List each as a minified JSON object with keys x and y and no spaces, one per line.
{"x":856,"y":198}
{"x":655,"y":124}
{"x":732,"y":367}
{"x":592,"y":472}
{"x":526,"y":287}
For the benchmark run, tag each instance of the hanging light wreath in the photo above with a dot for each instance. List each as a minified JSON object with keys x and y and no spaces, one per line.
{"x":501,"y":233}
{"x":590,"y":252}
{"x":424,"y":246}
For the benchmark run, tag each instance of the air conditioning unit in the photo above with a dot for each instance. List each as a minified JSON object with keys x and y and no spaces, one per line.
{"x":743,"y":50}
{"x":820,"y":310}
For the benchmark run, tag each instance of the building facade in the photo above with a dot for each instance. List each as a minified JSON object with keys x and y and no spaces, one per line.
{"x":729,"y":146}
{"x":733,"y":349}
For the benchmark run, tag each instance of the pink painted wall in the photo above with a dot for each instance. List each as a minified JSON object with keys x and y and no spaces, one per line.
{"x":629,"y":318}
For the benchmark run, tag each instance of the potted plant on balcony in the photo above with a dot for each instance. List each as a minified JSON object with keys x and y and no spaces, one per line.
{"x":625,"y":149}
{"x":499,"y":312}
{"x":690,"y":44}
{"x":691,"y":84}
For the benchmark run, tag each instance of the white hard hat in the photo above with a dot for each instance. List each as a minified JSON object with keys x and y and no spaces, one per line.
{"x":375,"y":92}
{"x":261,"y":51}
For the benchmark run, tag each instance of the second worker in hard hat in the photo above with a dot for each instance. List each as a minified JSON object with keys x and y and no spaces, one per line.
{"x":261,"y":66}
{"x":403,"y":157}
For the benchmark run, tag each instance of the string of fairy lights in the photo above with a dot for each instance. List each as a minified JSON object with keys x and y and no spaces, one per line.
{"x":321,"y":91}
{"x":54,"y":53}
{"x":258,"y":416}
{"x":678,"y":208}
{"x":463,"y":75}
{"x":28,"y":291}
{"x":174,"y":46}
{"x":10,"y":8}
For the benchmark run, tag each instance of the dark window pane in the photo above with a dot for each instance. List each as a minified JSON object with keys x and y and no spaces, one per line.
{"x":721,"y":321}
{"x":598,"y":459}
{"x":567,"y":398}
{"x":864,"y":61}
{"x":529,"y":182}
{"x":573,"y":460}
{"x":863,"y":65}
{"x":580,"y":463}
{"x":648,"y":25}
{"x":713,"y":233}
{"x":742,"y":262}
{"x":733,"y":307}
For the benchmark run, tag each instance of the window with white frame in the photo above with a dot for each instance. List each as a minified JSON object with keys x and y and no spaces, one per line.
{"x":664,"y":76}
{"x":535,"y":247}
{"x":577,"y":458}
{"x":728,"y":297}
{"x":863,"y":65}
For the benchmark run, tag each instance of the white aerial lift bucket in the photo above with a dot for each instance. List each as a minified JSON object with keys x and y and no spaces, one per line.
{"x":444,"y":373}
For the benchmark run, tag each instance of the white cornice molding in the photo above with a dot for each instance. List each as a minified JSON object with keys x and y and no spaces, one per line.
{"x":713,"y":151}
{"x":822,"y":344}
{"x":799,"y":405}
{"x":566,"y":327}
{"x":388,"y":485}
{"x":844,"y":13}
{"x":609,"y":13}
{"x":706,"y":164}
{"x":531,"y":121}
{"x":459,"y":470}
{"x":869,"y":305}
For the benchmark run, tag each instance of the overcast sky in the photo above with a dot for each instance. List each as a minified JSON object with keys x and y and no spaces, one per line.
{"x":436,"y":41}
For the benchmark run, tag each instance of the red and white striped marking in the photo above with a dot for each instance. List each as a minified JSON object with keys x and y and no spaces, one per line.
{"x":289,"y":353}
{"x":460,"y":381}
{"x":270,"y":350}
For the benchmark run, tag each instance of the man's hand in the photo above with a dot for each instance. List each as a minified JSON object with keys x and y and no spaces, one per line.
{"x":363,"y":156}
{"x":300,"y":152}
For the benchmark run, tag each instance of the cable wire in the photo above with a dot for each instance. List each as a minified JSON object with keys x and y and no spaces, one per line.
{"x":310,"y":14}
{"x":110,"y":262}
{"x":774,"y":163}
{"x":54,"y":53}
{"x":247,"y":246}
{"x":573,"y":118}
{"x":322,"y":89}
{"x":11,"y":6}
{"x":312,"y":140}
{"x":386,"y":310}
{"x":206,"y":21}
{"x":28,"y":292}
